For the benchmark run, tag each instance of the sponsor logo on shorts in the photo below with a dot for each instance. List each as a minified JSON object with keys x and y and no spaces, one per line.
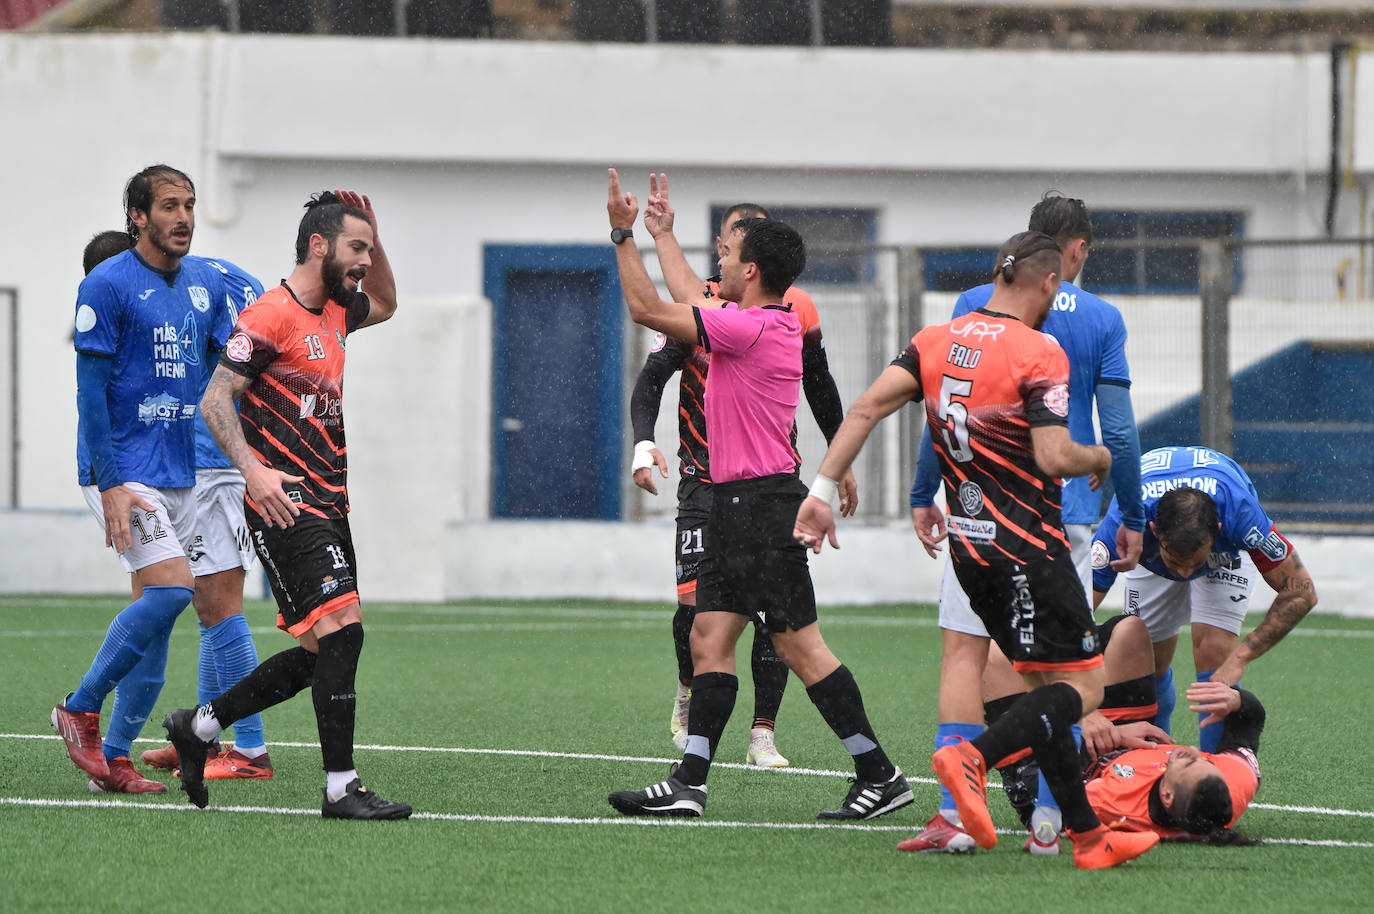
{"x":197,"y":550}
{"x":1101,"y":558}
{"x":239,"y":348}
{"x":970,"y":497}
{"x":1057,"y":399}
{"x":1089,"y":642}
{"x":971,"y":529}
{"x":1122,"y":771}
{"x":660,"y":340}
{"x":328,"y":585}
{"x":200,"y":298}
{"x":1023,"y":610}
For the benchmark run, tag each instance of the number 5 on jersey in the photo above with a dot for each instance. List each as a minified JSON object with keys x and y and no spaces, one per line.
{"x":954,"y":417}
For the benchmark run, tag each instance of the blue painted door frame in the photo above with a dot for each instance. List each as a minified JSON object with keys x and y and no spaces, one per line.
{"x":557,"y":340}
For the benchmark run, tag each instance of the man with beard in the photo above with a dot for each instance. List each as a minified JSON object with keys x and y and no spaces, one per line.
{"x":285,"y":360}
{"x":147,"y":323}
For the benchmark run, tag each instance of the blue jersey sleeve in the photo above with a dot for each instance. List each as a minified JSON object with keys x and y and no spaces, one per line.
{"x":1119,"y":434}
{"x":93,"y":417}
{"x":927,"y":482}
{"x":1114,"y":367}
{"x":1103,"y":576}
{"x":99,"y":315}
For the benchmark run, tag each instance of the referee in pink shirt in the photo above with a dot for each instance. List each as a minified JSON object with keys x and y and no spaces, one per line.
{"x":755,"y":569}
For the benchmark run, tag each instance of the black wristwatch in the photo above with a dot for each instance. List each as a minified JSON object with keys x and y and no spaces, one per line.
{"x":619,"y":234}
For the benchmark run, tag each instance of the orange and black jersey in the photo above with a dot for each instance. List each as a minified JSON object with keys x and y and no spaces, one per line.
{"x":1123,"y":786}
{"x":668,"y":355}
{"x":292,"y":413}
{"x":987,"y":379}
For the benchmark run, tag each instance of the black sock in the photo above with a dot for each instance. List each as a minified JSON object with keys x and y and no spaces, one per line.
{"x":713,"y":698}
{"x":1043,"y":720}
{"x":682,"y":640}
{"x":1019,"y":779}
{"x":770,"y":678}
{"x":838,"y":699}
{"x":1133,"y":699}
{"x":273,"y":681}
{"x":336,"y":702}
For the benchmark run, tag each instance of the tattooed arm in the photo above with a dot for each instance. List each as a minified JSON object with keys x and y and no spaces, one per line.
{"x":1296,"y":595}
{"x":264,"y":484}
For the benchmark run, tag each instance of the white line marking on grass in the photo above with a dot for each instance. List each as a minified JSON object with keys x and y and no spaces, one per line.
{"x":657,"y":760}
{"x":641,"y":821}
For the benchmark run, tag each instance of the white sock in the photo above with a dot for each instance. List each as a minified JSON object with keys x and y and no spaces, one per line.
{"x":205,"y":725}
{"x":336,"y":783}
{"x":952,"y":817}
{"x":250,"y":751}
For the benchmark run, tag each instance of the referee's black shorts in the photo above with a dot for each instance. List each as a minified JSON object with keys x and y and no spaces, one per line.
{"x":1036,"y":612}
{"x":753,"y":566}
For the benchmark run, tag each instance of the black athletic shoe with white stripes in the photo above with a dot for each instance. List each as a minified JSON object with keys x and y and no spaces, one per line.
{"x":666,"y":798}
{"x":871,"y":799}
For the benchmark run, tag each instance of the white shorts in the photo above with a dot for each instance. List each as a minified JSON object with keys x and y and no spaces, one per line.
{"x":157,"y":535}
{"x":222,"y":541}
{"x":957,"y":615}
{"x":1218,"y":598}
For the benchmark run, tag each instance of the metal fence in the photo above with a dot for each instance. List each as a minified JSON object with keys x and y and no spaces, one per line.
{"x":1229,"y":349}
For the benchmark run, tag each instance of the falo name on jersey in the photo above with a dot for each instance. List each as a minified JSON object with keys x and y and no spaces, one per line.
{"x":963,"y":356}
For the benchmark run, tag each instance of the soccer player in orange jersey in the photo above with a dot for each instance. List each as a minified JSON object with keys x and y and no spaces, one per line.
{"x":995,"y":391}
{"x":285,"y":362}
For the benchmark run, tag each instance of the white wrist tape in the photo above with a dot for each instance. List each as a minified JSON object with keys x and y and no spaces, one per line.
{"x":824,"y":488}
{"x":642,"y":458}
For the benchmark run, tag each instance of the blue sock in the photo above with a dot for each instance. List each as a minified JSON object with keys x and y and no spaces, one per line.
{"x":1043,"y":797}
{"x":946,"y":733}
{"x":226,"y":656}
{"x":1208,"y":737}
{"x":135,"y":697}
{"x":1165,"y":698}
{"x":126,"y":641}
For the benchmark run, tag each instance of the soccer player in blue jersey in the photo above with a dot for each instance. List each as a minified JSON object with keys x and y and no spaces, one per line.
{"x":1207,"y":535}
{"x":220,"y":554}
{"x":146,"y":325}
{"x":1093,"y":335}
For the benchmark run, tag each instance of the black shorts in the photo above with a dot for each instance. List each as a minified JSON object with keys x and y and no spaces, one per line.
{"x":311,"y":568}
{"x":693,"y":509}
{"x":1037,"y":612}
{"x":754,"y":567}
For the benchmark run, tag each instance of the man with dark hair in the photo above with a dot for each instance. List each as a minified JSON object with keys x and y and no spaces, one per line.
{"x":667,"y":356}
{"x":996,"y":397}
{"x":754,"y":571}
{"x":1093,"y":336}
{"x":285,"y":360}
{"x":103,"y":246}
{"x":146,"y":326}
{"x":1181,"y":793}
{"x":1207,"y":534}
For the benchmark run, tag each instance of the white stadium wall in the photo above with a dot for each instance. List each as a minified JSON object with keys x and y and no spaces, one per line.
{"x":461,"y":144}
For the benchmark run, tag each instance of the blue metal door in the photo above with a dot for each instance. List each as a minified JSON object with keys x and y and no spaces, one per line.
{"x":556,"y":380}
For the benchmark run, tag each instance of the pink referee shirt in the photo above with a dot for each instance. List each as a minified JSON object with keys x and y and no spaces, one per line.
{"x":752,"y":389}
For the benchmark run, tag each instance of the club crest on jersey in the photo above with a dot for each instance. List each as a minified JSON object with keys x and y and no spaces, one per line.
{"x":200,"y":298}
{"x":239,"y":348}
{"x":1123,"y":771}
{"x":1057,"y":399}
{"x":970,"y":498}
{"x":660,"y":340}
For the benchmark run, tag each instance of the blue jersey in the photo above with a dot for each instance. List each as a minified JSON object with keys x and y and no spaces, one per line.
{"x":241,"y":289}
{"x":1244,"y":525}
{"x":1093,"y":336}
{"x":159,"y":329}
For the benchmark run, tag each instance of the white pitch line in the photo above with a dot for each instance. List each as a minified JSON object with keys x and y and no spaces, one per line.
{"x":658,"y":760}
{"x":643,"y":822}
